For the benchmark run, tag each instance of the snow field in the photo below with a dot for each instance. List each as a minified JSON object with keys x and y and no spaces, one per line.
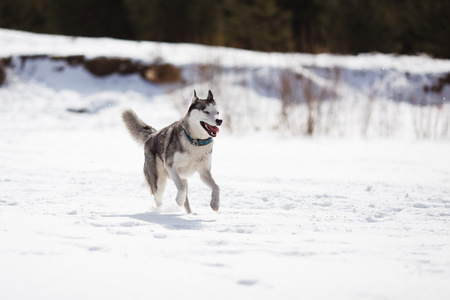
{"x":346,"y":219}
{"x":300,"y":218}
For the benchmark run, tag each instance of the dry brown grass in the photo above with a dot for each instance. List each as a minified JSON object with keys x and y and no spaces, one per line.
{"x":162,"y":73}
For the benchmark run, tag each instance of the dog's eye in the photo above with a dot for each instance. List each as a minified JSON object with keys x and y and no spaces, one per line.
{"x":206,"y":112}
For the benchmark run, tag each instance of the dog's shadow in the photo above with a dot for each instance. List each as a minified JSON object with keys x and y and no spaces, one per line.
{"x":168,"y":221}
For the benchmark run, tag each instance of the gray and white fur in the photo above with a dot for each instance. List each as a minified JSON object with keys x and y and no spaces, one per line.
{"x":179,"y":150}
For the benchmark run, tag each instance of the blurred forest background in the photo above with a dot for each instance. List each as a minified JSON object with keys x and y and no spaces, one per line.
{"x":314,"y":26}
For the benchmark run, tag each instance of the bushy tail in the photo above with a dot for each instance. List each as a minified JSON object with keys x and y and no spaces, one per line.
{"x":138,"y":129}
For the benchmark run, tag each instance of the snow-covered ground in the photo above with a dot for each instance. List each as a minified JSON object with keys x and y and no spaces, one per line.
{"x":300,"y":218}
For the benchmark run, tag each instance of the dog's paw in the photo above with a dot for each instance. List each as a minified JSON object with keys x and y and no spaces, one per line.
{"x":180,"y":199}
{"x":215,"y":205}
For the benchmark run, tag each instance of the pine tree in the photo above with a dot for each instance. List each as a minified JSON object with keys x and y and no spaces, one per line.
{"x":256,"y":24}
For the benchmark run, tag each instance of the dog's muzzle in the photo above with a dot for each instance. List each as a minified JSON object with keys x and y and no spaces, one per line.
{"x":218,"y":122}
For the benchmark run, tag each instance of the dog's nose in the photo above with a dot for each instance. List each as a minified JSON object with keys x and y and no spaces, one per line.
{"x":218,"y":122}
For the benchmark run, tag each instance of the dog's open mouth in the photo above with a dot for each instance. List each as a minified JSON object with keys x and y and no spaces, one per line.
{"x":211,"y":130}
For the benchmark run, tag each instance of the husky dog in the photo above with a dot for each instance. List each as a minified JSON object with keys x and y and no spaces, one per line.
{"x":179,"y":150}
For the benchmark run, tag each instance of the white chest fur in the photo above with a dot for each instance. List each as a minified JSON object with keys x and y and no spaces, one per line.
{"x":193,"y":159}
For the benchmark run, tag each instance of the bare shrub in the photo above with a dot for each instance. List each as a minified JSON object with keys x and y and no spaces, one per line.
{"x":314,"y":105}
{"x":388,"y":117}
{"x":288,"y":93}
{"x":210,"y":73}
{"x":309,"y":103}
{"x":368,"y":112}
{"x":210,"y":76}
{"x":303,"y":98}
{"x":430,"y":121}
{"x":320,"y":119}
{"x":2,"y":74}
{"x":204,"y":77}
{"x":331,"y":110}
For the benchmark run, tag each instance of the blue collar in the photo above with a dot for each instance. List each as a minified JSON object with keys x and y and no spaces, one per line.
{"x":197,"y":142}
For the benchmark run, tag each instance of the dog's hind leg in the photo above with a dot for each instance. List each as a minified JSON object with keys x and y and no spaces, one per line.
{"x":187,"y":207}
{"x":153,"y":186}
{"x":160,"y":186}
{"x":155,"y":179}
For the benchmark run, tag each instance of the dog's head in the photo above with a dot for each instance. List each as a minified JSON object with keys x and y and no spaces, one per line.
{"x":205,"y":113}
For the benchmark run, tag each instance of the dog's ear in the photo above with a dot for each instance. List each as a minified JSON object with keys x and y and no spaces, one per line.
{"x":210,"y":96}
{"x":194,"y":97}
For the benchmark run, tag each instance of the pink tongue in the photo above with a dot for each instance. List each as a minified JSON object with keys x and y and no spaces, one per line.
{"x":213,"y":128}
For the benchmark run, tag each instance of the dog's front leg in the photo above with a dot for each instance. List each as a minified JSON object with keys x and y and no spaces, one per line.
{"x":206,"y":177}
{"x":181,"y":194}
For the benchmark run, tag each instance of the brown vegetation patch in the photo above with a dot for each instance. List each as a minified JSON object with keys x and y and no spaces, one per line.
{"x":158,"y":73}
{"x":4,"y":62}
{"x":103,"y":66}
{"x":439,"y":85}
{"x":2,"y":74}
{"x":162,"y":73}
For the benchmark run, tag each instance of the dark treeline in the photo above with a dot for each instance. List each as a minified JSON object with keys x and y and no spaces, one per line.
{"x":338,"y":26}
